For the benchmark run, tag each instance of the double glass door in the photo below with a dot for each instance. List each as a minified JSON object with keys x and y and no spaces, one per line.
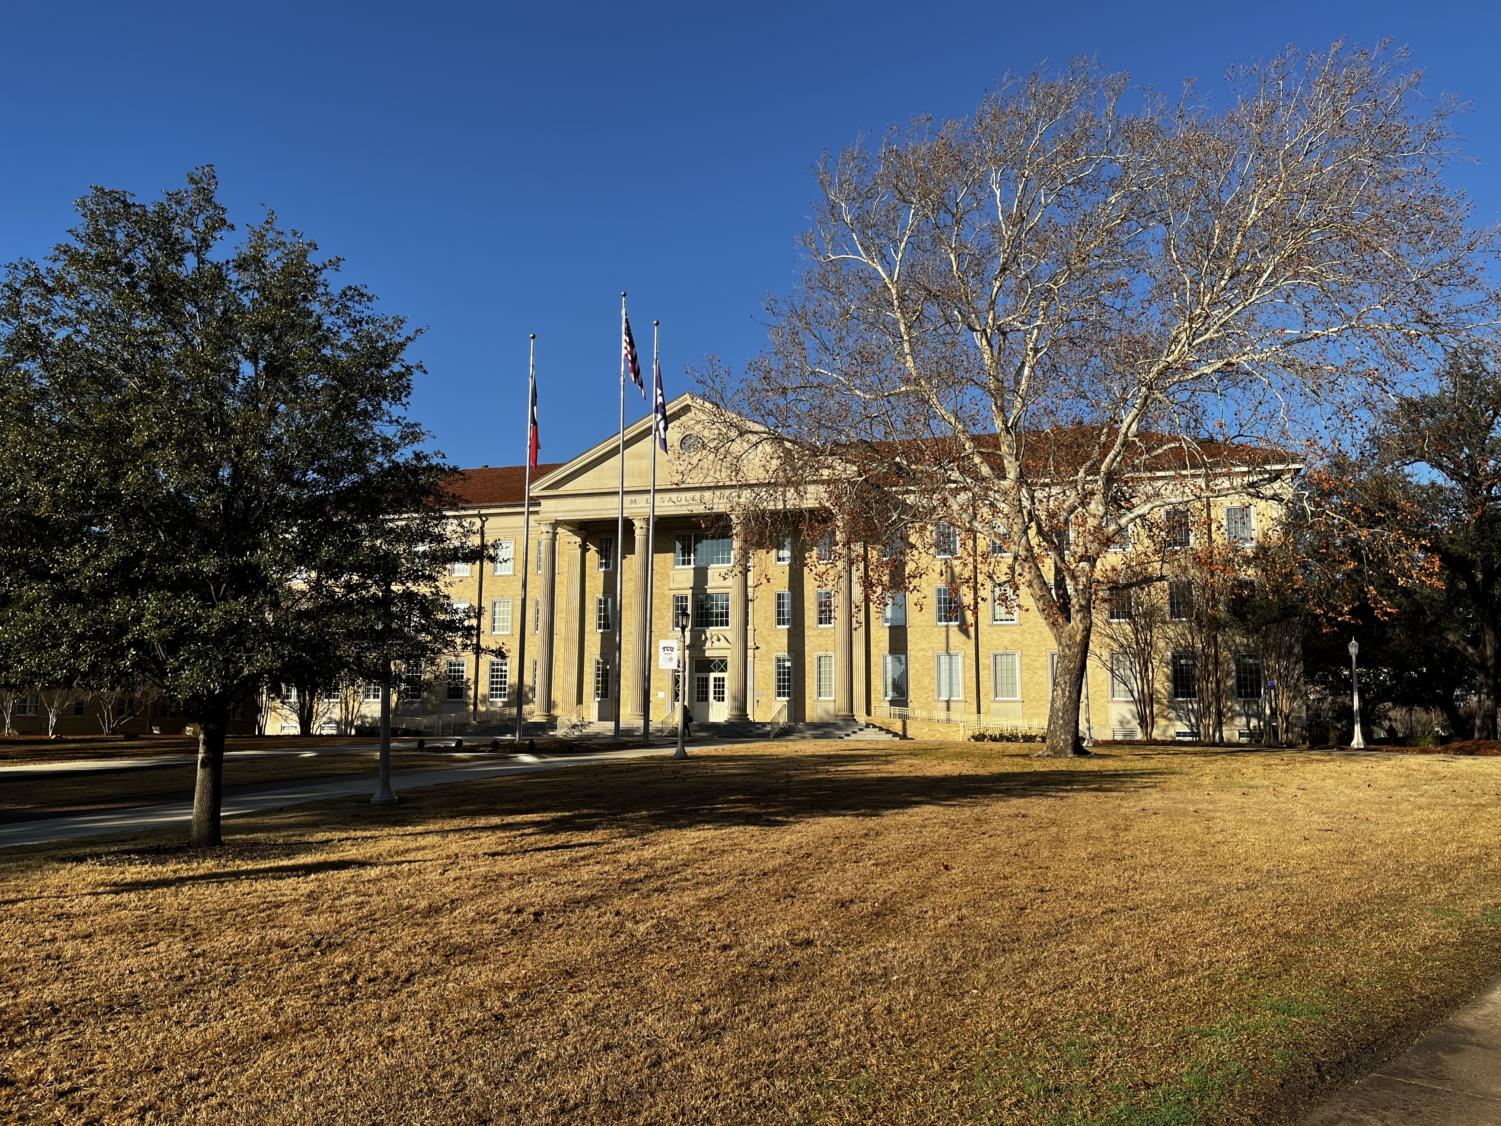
{"x":711,"y":678}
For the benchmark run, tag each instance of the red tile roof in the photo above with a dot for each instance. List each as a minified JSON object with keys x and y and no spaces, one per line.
{"x":492,"y":485}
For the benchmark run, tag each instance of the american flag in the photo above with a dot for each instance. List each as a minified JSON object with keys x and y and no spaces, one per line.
{"x":628,"y":358}
{"x":659,"y":408}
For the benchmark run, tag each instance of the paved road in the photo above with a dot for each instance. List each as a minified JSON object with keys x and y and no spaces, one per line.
{"x":1451,"y":1077}
{"x":144,"y":818}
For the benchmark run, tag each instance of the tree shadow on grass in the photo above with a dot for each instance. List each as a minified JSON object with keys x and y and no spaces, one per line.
{"x":737,"y":791}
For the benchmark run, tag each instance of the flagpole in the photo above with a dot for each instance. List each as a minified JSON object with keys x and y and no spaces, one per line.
{"x":619,"y":552}
{"x":526,"y":541}
{"x":651,"y":536}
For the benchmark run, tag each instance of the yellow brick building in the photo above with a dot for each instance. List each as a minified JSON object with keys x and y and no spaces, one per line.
{"x":786,"y":640}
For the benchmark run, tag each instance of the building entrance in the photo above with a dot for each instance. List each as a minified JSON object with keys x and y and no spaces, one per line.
{"x":711,"y":680}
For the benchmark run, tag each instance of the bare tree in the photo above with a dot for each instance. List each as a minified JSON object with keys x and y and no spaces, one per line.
{"x":54,"y":700}
{"x":8,"y":698}
{"x":1133,"y":630}
{"x":1027,"y":318}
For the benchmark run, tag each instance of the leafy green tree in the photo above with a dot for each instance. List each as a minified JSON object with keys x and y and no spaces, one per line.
{"x":192,"y":428}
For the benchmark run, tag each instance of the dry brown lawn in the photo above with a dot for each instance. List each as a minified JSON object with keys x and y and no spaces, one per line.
{"x":17,"y":749}
{"x":787,"y":934}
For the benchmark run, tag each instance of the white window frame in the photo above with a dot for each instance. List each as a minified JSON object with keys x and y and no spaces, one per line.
{"x":503,"y":661}
{"x":823,"y":665}
{"x":1122,"y":676}
{"x":995,"y":673}
{"x":783,"y":609}
{"x":702,"y":613}
{"x":505,"y":558}
{"x":601,"y":678}
{"x":604,"y":617}
{"x":1181,"y":584}
{"x":1173,"y":660}
{"x":1260,"y":672}
{"x":887,"y":661}
{"x":605,"y":549}
{"x":945,"y":535}
{"x":782,"y":554}
{"x":825,"y":548}
{"x":372,"y":691}
{"x":781,"y":666}
{"x":952,"y":663}
{"x":458,"y":570}
{"x":943,"y":598}
{"x":894,"y":610}
{"x":501,"y":612}
{"x":450,"y":684}
{"x":823,"y":600}
{"x":1250,"y":511}
{"x":1004,"y":611}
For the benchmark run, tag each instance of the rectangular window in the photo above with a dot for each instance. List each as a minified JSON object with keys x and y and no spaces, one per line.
{"x":330,"y":696}
{"x":412,"y":685}
{"x":500,"y":678}
{"x":784,"y":609}
{"x":945,"y":540}
{"x":1000,"y":539}
{"x":27,"y":705}
{"x":601,"y":678}
{"x":1248,"y":678}
{"x":948,"y":605}
{"x":826,"y":547}
{"x":536,"y":615}
{"x":823,"y":675}
{"x":783,"y":554}
{"x":950,"y":676}
{"x":824,"y":605}
{"x":606,"y":553}
{"x":500,"y":616}
{"x":1120,"y":604}
{"x":602,"y":619}
{"x":80,"y":706}
{"x":1180,"y":600}
{"x":505,"y":557}
{"x":1240,"y":524}
{"x":1183,"y":668}
{"x":1005,"y":676}
{"x":1122,"y":676}
{"x":783,"y":677}
{"x":895,"y":611}
{"x":455,"y":679}
{"x":692,"y":550}
{"x":459,"y":570}
{"x":712,"y":611}
{"x":461,"y":610}
{"x":372,"y":690}
{"x":894,"y":676}
{"x":541,"y":545}
{"x":1002,"y":604}
{"x":679,"y":609}
{"x":1178,"y":527}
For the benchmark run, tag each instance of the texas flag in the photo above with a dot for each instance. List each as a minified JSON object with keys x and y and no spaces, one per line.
{"x":533,"y":440}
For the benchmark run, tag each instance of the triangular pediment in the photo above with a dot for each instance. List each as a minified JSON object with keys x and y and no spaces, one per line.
{"x":596,"y":471}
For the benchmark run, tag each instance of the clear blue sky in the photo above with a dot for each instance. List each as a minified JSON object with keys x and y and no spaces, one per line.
{"x":491,"y":170}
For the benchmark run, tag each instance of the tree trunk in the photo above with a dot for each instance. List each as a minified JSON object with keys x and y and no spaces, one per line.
{"x":1487,"y":698}
{"x":208,"y":790}
{"x":1063,"y":739}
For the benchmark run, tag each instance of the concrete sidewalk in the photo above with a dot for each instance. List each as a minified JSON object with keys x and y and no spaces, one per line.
{"x":1451,"y":1077}
{"x":145,"y":818}
{"x":141,"y":762}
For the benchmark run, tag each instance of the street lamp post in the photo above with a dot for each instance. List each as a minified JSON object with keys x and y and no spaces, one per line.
{"x":681,"y":621}
{"x":1357,"y":743}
